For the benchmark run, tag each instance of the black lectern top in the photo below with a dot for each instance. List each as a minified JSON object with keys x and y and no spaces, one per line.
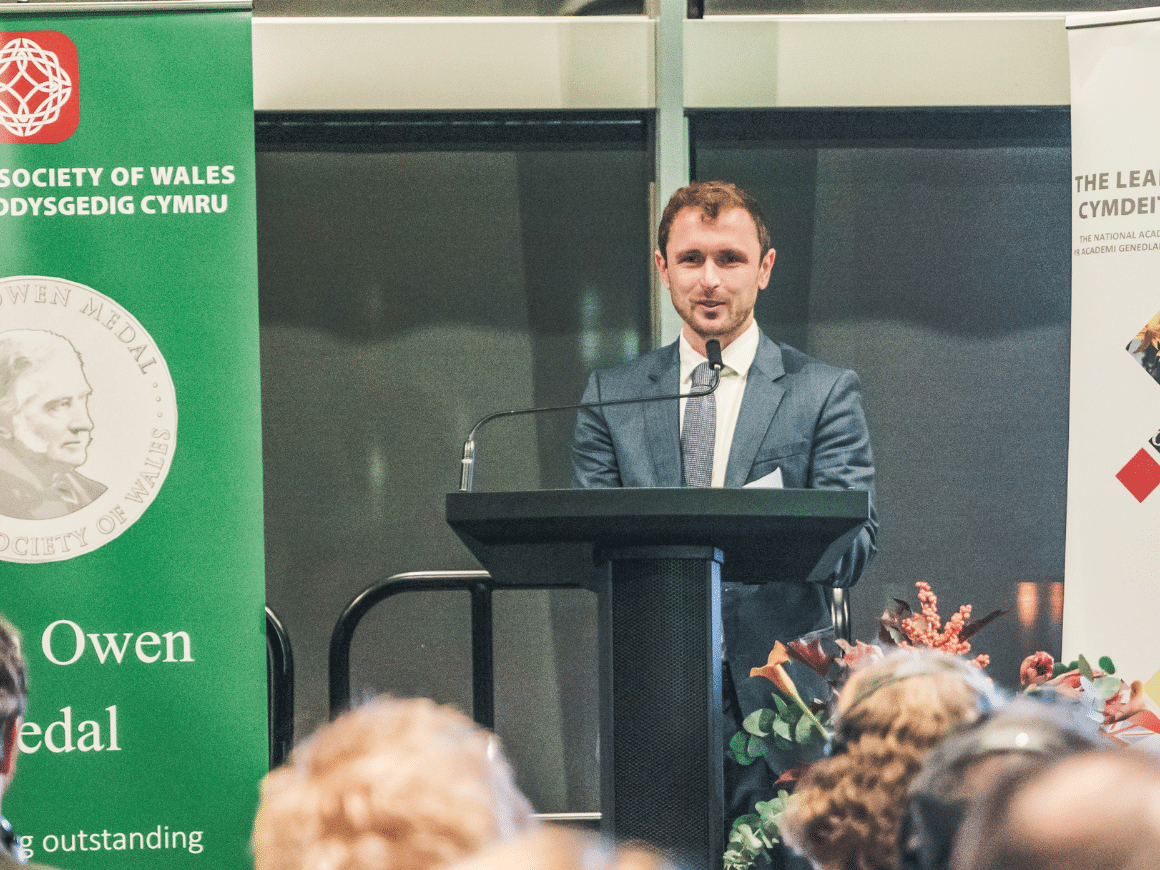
{"x":766,"y":535}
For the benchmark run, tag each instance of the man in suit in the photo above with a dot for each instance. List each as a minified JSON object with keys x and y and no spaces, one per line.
{"x":13,"y":701}
{"x":45,"y":427}
{"x":780,"y":417}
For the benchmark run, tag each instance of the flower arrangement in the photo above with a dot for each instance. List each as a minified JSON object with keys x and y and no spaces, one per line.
{"x":926,"y":629}
{"x":1120,"y":708}
{"x":801,"y":726}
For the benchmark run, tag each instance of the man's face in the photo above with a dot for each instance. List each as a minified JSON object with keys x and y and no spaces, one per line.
{"x":714,"y":270}
{"x":52,"y":420}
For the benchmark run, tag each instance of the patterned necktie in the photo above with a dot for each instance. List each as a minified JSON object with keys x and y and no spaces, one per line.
{"x":699,"y":432}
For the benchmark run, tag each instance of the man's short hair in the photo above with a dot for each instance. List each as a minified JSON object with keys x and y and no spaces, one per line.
{"x":1094,"y":810}
{"x":393,"y":785}
{"x":711,"y":198}
{"x":13,"y":676}
{"x":1023,"y":735}
{"x":21,"y":351}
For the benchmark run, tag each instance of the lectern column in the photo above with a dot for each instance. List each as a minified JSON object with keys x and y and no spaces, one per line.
{"x":660,"y":650}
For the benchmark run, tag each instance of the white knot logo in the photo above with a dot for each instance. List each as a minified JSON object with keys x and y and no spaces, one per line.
{"x":34,"y":87}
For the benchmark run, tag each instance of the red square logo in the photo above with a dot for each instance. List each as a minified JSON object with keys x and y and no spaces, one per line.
{"x":1141,"y":475}
{"x":38,"y":86}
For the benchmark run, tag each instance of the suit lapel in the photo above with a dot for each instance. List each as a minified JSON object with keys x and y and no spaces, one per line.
{"x":762,"y":396}
{"x":662,"y":420}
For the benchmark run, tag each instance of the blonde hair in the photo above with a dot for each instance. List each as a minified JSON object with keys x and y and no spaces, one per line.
{"x":561,"y":849}
{"x":394,"y":785}
{"x":847,"y":809}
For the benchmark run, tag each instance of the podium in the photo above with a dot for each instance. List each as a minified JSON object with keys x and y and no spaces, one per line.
{"x":656,"y":559}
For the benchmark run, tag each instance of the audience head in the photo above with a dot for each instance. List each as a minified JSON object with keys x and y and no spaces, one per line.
{"x":1025,"y":733}
{"x":559,"y":849}
{"x":1096,"y":811}
{"x":846,"y":810}
{"x":394,"y":785}
{"x":13,"y":695}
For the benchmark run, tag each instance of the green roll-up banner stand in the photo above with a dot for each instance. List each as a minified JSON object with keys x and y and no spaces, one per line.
{"x":130,"y":454}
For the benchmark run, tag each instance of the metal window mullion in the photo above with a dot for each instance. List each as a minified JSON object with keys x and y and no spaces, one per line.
{"x":671,"y":145}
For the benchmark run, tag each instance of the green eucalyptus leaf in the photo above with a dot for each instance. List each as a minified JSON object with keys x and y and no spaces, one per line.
{"x":1108,"y":687}
{"x":1085,"y":670}
{"x":757,"y":747}
{"x":767,"y":810}
{"x":739,"y":747}
{"x":773,"y":807}
{"x":802,"y":731}
{"x":748,"y":842}
{"x":782,"y":706}
{"x":768,"y":717}
{"x":783,"y":729}
{"x":752,"y":723}
{"x":782,"y":743}
{"x":749,"y":837}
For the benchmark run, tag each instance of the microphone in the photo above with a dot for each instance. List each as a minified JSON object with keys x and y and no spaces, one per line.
{"x":467,"y":468}
{"x":713,"y":352}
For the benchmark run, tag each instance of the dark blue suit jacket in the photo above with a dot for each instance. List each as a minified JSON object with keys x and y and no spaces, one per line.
{"x":797,"y":414}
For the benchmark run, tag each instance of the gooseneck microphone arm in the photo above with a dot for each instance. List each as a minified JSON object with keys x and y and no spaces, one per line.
{"x":467,"y":470}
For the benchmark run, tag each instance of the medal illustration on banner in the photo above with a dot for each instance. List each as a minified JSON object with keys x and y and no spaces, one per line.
{"x":88,"y":419}
{"x":1142,"y":473}
{"x":39,"y":99}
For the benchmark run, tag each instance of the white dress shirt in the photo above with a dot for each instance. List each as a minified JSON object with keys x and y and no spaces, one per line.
{"x":738,"y":357}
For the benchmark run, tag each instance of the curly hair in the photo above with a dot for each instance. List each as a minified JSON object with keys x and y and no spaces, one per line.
{"x":394,"y":785}
{"x":847,"y":809}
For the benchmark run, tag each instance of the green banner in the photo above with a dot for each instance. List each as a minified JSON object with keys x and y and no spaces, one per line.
{"x":130,"y":455}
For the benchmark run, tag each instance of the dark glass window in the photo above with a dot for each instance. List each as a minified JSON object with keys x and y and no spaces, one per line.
{"x":418,"y":272}
{"x":929,"y":251}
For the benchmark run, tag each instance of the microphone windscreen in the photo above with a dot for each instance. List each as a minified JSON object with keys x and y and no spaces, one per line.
{"x":713,"y":352}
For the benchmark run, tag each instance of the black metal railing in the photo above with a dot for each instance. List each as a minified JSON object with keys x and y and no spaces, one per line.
{"x":279,"y":689}
{"x":479,"y":584}
{"x":840,"y":613}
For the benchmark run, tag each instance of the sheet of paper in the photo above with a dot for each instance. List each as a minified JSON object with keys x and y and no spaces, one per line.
{"x":770,"y":481}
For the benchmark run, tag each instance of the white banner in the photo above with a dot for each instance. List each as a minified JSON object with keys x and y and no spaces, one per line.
{"x":1113,"y":504}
